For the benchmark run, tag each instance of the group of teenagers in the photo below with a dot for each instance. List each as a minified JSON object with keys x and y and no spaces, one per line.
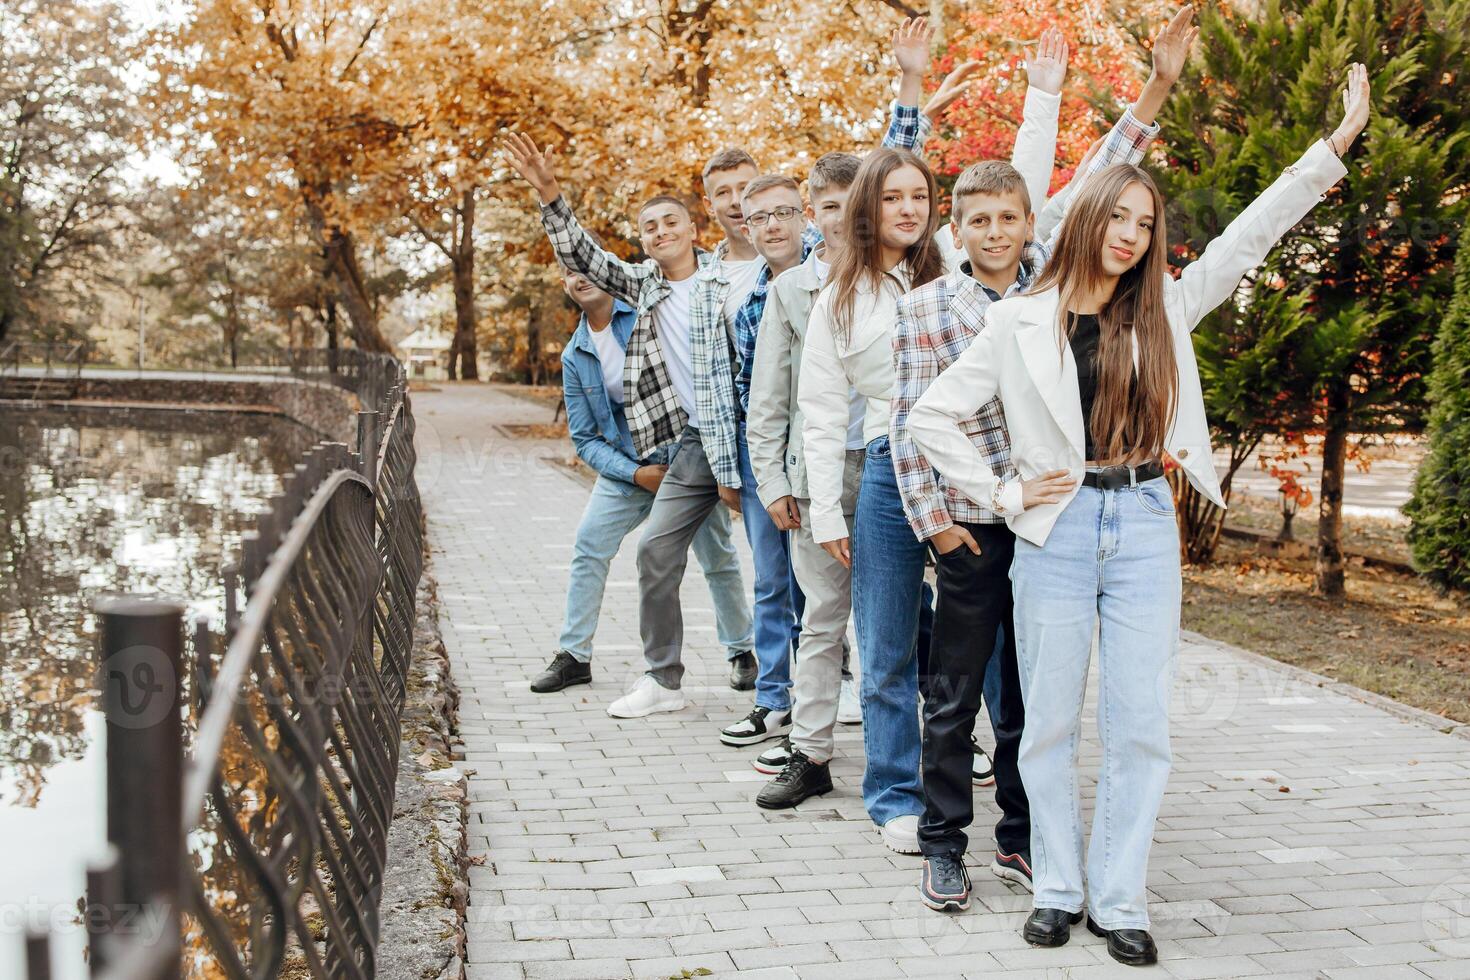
{"x":875,"y":393}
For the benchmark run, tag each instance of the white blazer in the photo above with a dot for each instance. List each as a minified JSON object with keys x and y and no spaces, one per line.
{"x":1016,"y":356}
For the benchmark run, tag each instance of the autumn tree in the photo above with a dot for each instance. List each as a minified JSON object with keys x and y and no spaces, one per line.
{"x":1106,"y":66}
{"x":66,"y":119}
{"x":285,"y":108}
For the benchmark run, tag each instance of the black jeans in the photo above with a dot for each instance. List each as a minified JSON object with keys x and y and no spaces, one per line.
{"x":973,"y":608}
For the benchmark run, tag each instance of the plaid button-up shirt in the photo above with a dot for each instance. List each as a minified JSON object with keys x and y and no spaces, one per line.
{"x":936,"y":324}
{"x":655,"y":417}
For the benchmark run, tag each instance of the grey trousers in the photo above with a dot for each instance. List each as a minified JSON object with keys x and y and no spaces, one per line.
{"x":819,"y":656}
{"x":685,"y":498}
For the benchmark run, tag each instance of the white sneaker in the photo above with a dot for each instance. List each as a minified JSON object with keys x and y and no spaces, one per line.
{"x":647,"y":697}
{"x":901,"y":834}
{"x":849,"y":703}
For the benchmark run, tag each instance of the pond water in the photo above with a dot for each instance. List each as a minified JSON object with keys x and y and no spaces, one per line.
{"x":94,"y":502}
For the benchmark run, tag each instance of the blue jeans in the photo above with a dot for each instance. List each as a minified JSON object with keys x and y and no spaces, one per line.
{"x":893,"y":610}
{"x":615,"y":509}
{"x":776,"y":624}
{"x":1113,"y":556}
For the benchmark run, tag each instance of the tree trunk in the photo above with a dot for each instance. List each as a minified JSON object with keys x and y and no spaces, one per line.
{"x":6,"y":319}
{"x":332,"y":342}
{"x":343,"y":273}
{"x":1330,"y":574}
{"x":533,"y":348}
{"x":464,"y":348}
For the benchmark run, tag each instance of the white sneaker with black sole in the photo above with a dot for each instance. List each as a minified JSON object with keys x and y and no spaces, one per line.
{"x":775,"y":758}
{"x":758,"y":726}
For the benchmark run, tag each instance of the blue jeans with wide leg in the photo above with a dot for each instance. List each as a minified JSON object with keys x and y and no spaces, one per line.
{"x":893,"y":612}
{"x":1110,"y":565}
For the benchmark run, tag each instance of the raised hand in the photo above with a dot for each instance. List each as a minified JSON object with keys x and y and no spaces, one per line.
{"x":1046,"y":64}
{"x":1355,"y":104}
{"x":534,"y":165}
{"x":954,"y":85}
{"x":1171,"y":44}
{"x":911,"y":41}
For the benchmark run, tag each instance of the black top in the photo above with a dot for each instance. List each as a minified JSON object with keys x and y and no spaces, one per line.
{"x":1084,"y":348}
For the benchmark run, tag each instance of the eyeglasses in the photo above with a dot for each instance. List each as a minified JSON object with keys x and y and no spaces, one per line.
{"x":759,"y":219}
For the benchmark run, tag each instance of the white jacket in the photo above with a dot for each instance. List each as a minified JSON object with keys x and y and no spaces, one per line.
{"x":1016,"y":356}
{"x":862,"y":359}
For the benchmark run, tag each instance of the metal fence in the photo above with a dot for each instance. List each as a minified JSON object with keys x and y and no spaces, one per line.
{"x":40,"y":369}
{"x":259,"y":842}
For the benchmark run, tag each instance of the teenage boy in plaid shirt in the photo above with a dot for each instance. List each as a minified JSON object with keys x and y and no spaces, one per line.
{"x":991,"y":220}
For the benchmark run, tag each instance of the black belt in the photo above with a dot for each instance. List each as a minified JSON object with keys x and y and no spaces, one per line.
{"x":1117,"y":477}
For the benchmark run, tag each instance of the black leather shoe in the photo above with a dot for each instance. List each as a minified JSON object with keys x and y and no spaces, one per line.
{"x":563,"y":671}
{"x":742,"y":672}
{"x":1050,"y":927}
{"x":1131,"y":947}
{"x":801,"y":779}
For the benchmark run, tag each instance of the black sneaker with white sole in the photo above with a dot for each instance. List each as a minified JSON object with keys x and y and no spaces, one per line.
{"x":774,"y":759}
{"x":1013,"y":867}
{"x":758,"y":726}
{"x":945,"y":884}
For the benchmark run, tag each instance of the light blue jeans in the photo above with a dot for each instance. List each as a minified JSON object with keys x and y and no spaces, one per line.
{"x":777,"y":626}
{"x":1111,"y":559}
{"x":613,"y":511}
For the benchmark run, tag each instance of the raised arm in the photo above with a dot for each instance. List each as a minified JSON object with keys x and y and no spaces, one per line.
{"x":1212,"y":278}
{"x":1131,"y":136}
{"x":1035,"y":150}
{"x":574,"y":248}
{"x":915,"y":368}
{"x":821,"y":393}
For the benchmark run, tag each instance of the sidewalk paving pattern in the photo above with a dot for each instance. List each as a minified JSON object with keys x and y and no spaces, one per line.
{"x":1304,"y":834}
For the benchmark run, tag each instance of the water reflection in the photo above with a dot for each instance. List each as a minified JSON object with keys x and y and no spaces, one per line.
{"x":95,"y":501}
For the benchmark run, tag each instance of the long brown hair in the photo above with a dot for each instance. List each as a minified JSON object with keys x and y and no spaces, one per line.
{"x":1131,"y":414}
{"x":860,"y":263}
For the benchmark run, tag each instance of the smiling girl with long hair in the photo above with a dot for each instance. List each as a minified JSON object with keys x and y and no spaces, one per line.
{"x":847,"y":378}
{"x":1095,"y":368}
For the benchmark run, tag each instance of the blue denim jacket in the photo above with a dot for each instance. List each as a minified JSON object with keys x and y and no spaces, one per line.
{"x":598,"y":425}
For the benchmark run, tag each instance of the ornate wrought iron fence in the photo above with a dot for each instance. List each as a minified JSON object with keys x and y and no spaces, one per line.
{"x":260,"y":850}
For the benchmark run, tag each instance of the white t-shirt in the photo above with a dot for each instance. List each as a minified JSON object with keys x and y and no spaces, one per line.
{"x":857,"y":408}
{"x":742,"y":276}
{"x":611,"y":357}
{"x":671,"y":321}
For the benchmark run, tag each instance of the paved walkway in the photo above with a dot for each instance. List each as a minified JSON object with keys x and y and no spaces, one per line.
{"x":1304,"y":834}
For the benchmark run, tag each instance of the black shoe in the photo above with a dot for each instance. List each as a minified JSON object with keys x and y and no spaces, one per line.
{"x":758,"y":726}
{"x":742,"y":671}
{"x":1013,"y":867}
{"x":563,"y":671}
{"x":801,"y":779}
{"x":1050,"y":927}
{"x":945,"y":884}
{"x":1131,"y":947}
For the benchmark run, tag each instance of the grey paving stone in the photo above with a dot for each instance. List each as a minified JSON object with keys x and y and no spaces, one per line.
{"x":1361,"y":870}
